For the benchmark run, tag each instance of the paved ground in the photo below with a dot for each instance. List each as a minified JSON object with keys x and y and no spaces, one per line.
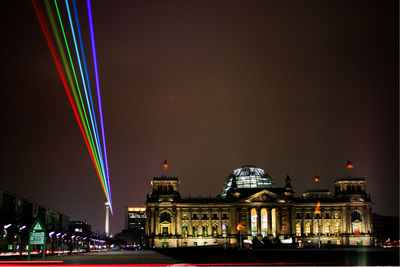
{"x":337,"y":256}
{"x":204,"y":255}
{"x":118,"y":257}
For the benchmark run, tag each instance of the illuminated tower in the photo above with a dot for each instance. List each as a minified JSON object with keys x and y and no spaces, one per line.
{"x":107,"y":224}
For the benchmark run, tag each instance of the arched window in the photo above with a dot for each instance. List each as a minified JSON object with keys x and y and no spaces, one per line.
{"x":215,"y":230}
{"x":307,"y":229}
{"x":205,"y":230}
{"x":224,"y":229}
{"x":264,"y":222}
{"x":316,"y":228}
{"x":194,"y":230}
{"x":327,"y":228}
{"x":355,"y":215}
{"x":184,"y":231}
{"x":253,"y":222}
{"x":273,"y":221}
{"x":336,"y":228}
{"x":298,"y":229}
{"x":165,"y":217}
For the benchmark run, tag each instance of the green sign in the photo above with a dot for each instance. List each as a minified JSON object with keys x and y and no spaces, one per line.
{"x":37,"y":238}
{"x":37,"y":227}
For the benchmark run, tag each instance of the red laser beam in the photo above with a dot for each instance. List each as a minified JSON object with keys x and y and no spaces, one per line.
{"x":67,"y":90}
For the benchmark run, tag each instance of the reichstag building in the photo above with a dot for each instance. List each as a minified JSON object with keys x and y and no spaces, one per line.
{"x":250,"y":201}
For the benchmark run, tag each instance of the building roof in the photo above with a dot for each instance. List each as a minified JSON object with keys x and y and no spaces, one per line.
{"x":350,"y":179}
{"x":248,"y":176}
{"x":165,"y":178}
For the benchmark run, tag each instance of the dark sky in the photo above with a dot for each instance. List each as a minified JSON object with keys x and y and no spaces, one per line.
{"x":293,"y":87}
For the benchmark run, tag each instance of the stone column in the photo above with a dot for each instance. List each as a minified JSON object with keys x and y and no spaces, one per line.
{"x":258,"y":221}
{"x":157,"y":222}
{"x":292,"y":220}
{"x":209,"y":222}
{"x":343,"y":220}
{"x":151,"y":230}
{"x":278,"y":221}
{"x":269,"y":221}
{"x":348,"y":219}
{"x":189,"y":212}
{"x":174,"y":222}
{"x":219,"y":222}
{"x":248,"y":221}
{"x":178,"y":229}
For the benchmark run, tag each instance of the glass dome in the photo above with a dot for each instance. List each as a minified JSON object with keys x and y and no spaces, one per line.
{"x":248,"y":177}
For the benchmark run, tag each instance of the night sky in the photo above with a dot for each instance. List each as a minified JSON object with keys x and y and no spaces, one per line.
{"x":293,"y":87}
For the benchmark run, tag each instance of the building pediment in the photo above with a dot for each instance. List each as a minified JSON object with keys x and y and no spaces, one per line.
{"x":265,"y":196}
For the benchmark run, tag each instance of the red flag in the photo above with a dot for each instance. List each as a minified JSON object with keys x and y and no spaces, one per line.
{"x":165,"y":165}
{"x":350,"y":165}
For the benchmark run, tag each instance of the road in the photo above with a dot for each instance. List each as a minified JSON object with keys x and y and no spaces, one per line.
{"x":210,"y":256}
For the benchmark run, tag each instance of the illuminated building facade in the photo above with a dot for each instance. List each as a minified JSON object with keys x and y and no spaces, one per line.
{"x":135,"y":223}
{"x":250,"y":197}
{"x":135,"y":217}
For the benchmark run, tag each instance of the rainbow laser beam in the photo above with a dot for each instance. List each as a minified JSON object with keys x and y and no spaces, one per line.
{"x":66,"y":69}
{"x":80,"y":105}
{"x":87,"y":78}
{"x":96,"y":139}
{"x":96,"y":74}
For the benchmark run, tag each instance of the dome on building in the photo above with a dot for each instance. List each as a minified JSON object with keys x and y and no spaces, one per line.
{"x":248,"y":176}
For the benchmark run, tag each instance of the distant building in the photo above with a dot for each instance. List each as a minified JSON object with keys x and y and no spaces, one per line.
{"x":80,"y":228}
{"x":135,"y":217}
{"x":135,"y":223}
{"x":250,"y":200}
{"x":17,"y":214}
{"x":385,"y":228}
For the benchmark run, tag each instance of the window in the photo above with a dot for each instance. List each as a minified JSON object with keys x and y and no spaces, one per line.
{"x":317,"y":216}
{"x":337,"y":215}
{"x":298,"y":229}
{"x":205,"y":243}
{"x":165,"y":230}
{"x":184,"y":216}
{"x":165,"y":217}
{"x":327,"y":229}
{"x":308,"y":215}
{"x":215,"y":230}
{"x":194,"y":216}
{"x":205,"y":217}
{"x":225,"y":216}
{"x":327,"y":215}
{"x":215,"y":243}
{"x":224,"y":229}
{"x":195,"y":244}
{"x":205,"y":230}
{"x":336,"y":228}
{"x":184,"y":231}
{"x":194,"y":230}
{"x":307,"y":229}
{"x":316,"y":228}
{"x":253,"y":222}
{"x":165,"y":244}
{"x":264,"y":223}
{"x":355,"y":216}
{"x":185,"y":244}
{"x":356,"y":229}
{"x":215,"y":216}
{"x":298,"y":215}
{"x":273,"y":221}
